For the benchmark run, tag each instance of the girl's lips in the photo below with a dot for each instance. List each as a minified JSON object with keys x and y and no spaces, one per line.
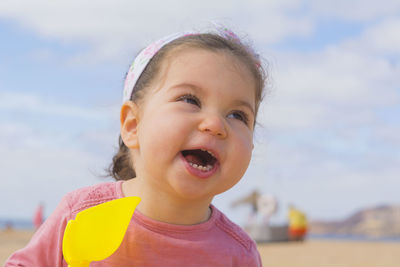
{"x":199,"y":173}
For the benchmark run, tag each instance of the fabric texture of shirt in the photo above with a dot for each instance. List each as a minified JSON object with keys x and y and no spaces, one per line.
{"x":216,"y":242}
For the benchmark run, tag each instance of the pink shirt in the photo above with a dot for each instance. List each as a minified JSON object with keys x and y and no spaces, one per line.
{"x":217,"y":242}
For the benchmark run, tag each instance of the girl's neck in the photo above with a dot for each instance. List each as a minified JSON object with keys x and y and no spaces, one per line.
{"x":160,"y":206}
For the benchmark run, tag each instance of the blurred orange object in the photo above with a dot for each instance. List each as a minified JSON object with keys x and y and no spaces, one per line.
{"x":297,"y":224}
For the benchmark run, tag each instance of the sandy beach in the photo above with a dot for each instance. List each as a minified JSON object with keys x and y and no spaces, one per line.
{"x":12,"y":240}
{"x":309,"y":253}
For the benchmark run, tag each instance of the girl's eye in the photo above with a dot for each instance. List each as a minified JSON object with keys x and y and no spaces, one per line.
{"x":240,"y":115}
{"x":190,"y":99}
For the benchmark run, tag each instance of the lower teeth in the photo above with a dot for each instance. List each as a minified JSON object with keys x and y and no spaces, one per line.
{"x":200,"y":167}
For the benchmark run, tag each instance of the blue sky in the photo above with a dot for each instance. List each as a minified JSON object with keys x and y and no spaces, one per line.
{"x":329,"y":134}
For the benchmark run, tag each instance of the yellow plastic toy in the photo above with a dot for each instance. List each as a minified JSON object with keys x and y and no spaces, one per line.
{"x":97,"y":232}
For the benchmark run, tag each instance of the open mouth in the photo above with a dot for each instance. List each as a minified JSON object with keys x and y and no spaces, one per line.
{"x":200,"y":159}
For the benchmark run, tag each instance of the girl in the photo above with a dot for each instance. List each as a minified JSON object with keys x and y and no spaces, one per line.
{"x":187,"y":121}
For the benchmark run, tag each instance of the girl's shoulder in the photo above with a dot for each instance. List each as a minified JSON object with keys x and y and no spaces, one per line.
{"x":234,"y":231}
{"x":242,"y":245}
{"x":93,"y":195}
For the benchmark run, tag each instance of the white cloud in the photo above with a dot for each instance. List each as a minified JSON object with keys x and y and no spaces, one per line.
{"x":42,"y":167}
{"x":34,"y":170}
{"x":119,"y":28}
{"x":385,"y":36}
{"x":336,"y":75}
{"x":10,"y":101}
{"x":390,"y":134}
{"x":47,"y":150}
{"x":343,"y":83}
{"x":381,"y":39}
{"x":355,"y":10}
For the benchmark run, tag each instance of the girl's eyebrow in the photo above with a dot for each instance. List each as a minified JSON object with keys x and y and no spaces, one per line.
{"x":195,"y":88}
{"x":191,"y":86}
{"x":246,"y":104}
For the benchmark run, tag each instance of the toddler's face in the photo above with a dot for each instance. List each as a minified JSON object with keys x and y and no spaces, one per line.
{"x":195,"y":131}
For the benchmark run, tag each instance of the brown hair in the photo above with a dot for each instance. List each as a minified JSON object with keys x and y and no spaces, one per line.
{"x":121,"y":167}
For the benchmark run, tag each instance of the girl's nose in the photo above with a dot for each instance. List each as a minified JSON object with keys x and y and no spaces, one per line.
{"x":213,"y":124}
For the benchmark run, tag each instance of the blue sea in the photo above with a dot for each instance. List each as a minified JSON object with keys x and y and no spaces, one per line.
{"x":26,"y":224}
{"x":22,"y":224}
{"x":354,"y":238}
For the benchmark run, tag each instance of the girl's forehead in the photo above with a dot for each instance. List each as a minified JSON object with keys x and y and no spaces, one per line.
{"x":184,"y":60}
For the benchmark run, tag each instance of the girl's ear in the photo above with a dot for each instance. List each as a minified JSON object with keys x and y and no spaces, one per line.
{"x":129,"y":122}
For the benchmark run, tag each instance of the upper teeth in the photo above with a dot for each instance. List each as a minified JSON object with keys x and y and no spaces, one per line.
{"x":209,"y":152}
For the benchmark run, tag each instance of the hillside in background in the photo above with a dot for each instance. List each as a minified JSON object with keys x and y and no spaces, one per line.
{"x":376,"y":222}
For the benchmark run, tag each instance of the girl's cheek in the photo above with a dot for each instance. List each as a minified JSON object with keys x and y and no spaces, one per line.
{"x":246,"y":138}
{"x":244,"y":146}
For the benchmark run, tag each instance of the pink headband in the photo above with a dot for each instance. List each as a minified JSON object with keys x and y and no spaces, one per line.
{"x":144,"y":57}
{"x":141,"y":61}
